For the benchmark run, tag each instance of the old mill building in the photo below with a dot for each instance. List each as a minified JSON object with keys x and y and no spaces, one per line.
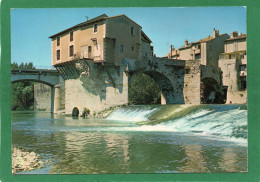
{"x":102,"y":39}
{"x":89,"y":56}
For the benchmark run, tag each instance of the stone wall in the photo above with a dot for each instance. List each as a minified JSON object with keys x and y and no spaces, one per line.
{"x":236,"y":97}
{"x":98,"y":87}
{"x":42,"y":97}
{"x":191,"y":87}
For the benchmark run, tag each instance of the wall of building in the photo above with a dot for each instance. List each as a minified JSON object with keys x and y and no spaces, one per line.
{"x":211,"y":49}
{"x":236,"y":97}
{"x":119,"y":28}
{"x":185,"y":54}
{"x":97,"y":89}
{"x":81,"y":40}
{"x":146,"y":51}
{"x":231,"y":79}
{"x":235,"y":45}
{"x":42,"y":97}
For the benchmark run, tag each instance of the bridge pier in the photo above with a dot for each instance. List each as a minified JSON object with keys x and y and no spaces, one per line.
{"x":52,"y":98}
{"x":57,"y":99}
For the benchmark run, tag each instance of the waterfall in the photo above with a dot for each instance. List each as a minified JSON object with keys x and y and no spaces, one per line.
{"x":228,"y":121}
{"x":133,"y":113}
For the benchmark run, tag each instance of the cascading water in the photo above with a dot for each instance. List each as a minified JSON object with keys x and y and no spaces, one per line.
{"x":224,"y":121}
{"x":132,"y":113}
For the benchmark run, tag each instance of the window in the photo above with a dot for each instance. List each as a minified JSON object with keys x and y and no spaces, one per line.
{"x":71,"y":36}
{"x":132,"y":30}
{"x":132,"y":48}
{"x":71,"y":50}
{"x":58,"y":41}
{"x":242,"y":67}
{"x":121,"y":48}
{"x":58,"y":54}
{"x":95,"y":27}
{"x":89,"y":51}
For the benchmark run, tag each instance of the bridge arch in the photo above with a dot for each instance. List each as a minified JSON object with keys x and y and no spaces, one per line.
{"x":162,"y":81}
{"x":32,"y":80}
{"x":211,"y":91}
{"x":47,"y":77}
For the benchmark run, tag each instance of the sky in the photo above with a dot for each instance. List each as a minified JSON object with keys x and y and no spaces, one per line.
{"x":166,"y":26}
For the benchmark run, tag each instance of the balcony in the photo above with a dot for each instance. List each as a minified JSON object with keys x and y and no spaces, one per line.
{"x":243,"y":73}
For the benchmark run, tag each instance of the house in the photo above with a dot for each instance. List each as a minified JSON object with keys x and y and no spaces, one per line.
{"x":102,"y":39}
{"x":233,"y":63}
{"x":206,"y":50}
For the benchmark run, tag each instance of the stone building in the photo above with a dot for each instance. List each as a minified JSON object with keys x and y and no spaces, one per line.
{"x":102,"y":39}
{"x":206,"y":50}
{"x":89,"y":56}
{"x":233,"y":63}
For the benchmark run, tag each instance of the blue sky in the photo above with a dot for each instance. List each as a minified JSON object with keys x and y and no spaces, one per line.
{"x":31,"y":28}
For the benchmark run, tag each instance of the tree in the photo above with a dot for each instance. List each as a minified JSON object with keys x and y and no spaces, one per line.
{"x":144,"y":90}
{"x":22,"y":96}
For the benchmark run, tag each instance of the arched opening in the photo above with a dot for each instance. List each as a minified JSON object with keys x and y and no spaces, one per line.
{"x":211,"y":92}
{"x":75,"y":112}
{"x":150,"y":87}
{"x":31,"y":95}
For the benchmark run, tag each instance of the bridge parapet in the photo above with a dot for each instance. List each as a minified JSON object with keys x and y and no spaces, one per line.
{"x":49,"y":77}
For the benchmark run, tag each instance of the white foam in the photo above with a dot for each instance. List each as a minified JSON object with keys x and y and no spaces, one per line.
{"x":131,"y":114}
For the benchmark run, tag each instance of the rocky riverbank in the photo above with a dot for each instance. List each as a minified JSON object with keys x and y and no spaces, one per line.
{"x":25,"y":161}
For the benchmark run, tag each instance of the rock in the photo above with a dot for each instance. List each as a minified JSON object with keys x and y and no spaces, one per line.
{"x":24,"y":161}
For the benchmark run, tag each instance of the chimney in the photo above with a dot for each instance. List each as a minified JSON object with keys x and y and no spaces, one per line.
{"x":233,"y":34}
{"x":215,"y":33}
{"x":186,"y":42}
{"x":172,"y":48}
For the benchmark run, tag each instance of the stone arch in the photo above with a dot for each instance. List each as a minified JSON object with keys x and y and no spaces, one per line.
{"x":75,"y":111}
{"x":163,"y":82}
{"x":32,"y":80}
{"x":40,"y":81}
{"x":211,"y":92}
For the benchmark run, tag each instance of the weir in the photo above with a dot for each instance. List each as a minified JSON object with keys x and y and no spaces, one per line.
{"x":225,"y":121}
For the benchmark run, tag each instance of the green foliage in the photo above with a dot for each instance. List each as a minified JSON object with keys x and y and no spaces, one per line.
{"x":85,"y":112}
{"x":22,"y":97}
{"x":144,"y":90}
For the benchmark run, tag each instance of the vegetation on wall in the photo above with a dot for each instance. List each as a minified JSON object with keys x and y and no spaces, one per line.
{"x":22,"y":97}
{"x":144,"y":90}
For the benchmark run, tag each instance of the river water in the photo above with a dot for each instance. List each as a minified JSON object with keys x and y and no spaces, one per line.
{"x":206,"y":140}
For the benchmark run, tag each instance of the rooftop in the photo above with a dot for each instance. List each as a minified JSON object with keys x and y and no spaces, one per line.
{"x":243,"y":36}
{"x":93,"y":20}
{"x":207,"y":39}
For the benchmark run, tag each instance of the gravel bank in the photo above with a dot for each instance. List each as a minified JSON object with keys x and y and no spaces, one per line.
{"x":25,"y":161}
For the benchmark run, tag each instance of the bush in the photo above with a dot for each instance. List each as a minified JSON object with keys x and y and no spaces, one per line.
{"x":85,"y":112}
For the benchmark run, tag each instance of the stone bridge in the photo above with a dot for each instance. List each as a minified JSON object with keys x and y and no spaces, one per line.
{"x":98,"y":86}
{"x":48,"y":77}
{"x":168,"y":74}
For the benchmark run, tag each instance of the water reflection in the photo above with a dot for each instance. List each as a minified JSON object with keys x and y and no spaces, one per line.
{"x":82,"y":147}
{"x":195,"y":160}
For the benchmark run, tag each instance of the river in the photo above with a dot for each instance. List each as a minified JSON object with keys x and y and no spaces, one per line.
{"x":212,"y":139}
